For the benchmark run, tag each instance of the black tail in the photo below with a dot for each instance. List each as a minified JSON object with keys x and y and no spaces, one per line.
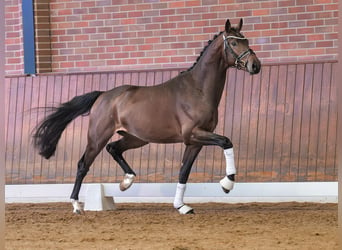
{"x":50,"y":130}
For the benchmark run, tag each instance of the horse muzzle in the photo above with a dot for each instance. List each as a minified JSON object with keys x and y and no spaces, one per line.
{"x":253,"y":65}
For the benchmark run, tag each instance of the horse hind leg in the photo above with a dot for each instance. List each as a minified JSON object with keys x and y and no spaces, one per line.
{"x":116,"y":150}
{"x":82,"y":170}
{"x":92,"y":150}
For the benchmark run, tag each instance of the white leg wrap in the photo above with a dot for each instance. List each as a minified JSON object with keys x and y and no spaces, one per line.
{"x":178,"y":202}
{"x":226,"y":183}
{"x":230,"y":165}
{"x":127,"y":182}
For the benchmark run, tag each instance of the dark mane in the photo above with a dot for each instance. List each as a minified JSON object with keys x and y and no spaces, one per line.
{"x":204,"y":49}
{"x":209,"y":42}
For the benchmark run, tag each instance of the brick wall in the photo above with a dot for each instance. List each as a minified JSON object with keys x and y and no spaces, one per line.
{"x":134,"y":34}
{"x":14,"y":38}
{"x":43,"y":36}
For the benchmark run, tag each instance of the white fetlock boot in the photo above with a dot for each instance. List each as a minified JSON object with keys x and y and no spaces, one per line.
{"x":127,"y":182}
{"x":227,"y":184}
{"x":77,"y":207}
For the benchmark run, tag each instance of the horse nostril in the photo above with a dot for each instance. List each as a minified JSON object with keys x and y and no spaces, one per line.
{"x":255,"y":68}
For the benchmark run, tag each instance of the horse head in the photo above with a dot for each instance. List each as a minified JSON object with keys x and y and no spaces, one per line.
{"x":237,"y":51}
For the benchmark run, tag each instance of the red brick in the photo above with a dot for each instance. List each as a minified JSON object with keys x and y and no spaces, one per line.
{"x":269,"y":4}
{"x":165,"y":12}
{"x":129,"y":61}
{"x":177,"y":4}
{"x":113,"y":35}
{"x":316,"y":51}
{"x":113,"y":49}
{"x":183,"y":11}
{"x":72,"y":5}
{"x":108,"y":56}
{"x":260,"y":12}
{"x":137,"y":54}
{"x":288,"y":46}
{"x":315,"y":22}
{"x":250,"y":5}
{"x":65,"y":12}
{"x":135,"y":14}
{"x":145,"y":60}
{"x":192,"y":3}
{"x":269,"y":32}
{"x":169,"y":52}
{"x":14,"y":60}
{"x":322,"y":1}
{"x":168,"y":25}
{"x":162,"y":60}
{"x":128,"y":21}
{"x":279,"y":25}
{"x":262,"y":26}
{"x":81,"y":37}
{"x":128,"y":48}
{"x":85,"y":4}
{"x":152,"y":26}
{"x":314,"y":8}
{"x":105,"y":16}
{"x":332,"y":7}
{"x":145,"y":47}
{"x":306,"y":45}
{"x":67,"y":64}
{"x":324,"y":44}
{"x":315,"y":37}
{"x":178,"y":59}
{"x":298,"y":38}
{"x":304,"y":2}
{"x":146,"y":6}
{"x":177,"y":45}
{"x":197,"y":10}
{"x":244,"y":13}
{"x":184,"y":24}
{"x":279,"y":39}
{"x":323,"y":15}
{"x":129,"y":7}
{"x":177,"y":32}
{"x":152,"y":40}
{"x":333,"y":36}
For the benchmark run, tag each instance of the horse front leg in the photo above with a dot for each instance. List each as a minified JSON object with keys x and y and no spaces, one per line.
{"x":190,"y":154}
{"x":203,"y":137}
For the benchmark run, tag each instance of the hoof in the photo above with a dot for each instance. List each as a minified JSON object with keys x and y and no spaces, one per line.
{"x":185,"y":209}
{"x":78,"y":211}
{"x":77,"y":207}
{"x":127,"y":182}
{"x":227,"y":184}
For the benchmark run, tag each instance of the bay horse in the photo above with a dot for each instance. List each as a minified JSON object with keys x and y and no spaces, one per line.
{"x":181,"y":110}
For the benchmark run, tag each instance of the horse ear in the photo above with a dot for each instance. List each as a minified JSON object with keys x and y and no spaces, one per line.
{"x":228,"y":26}
{"x":240,"y":25}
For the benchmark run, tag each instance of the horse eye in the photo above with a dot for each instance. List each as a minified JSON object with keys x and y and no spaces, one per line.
{"x":233,"y":43}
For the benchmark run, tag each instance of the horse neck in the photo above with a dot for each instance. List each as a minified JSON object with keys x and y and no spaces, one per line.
{"x":209,"y":73}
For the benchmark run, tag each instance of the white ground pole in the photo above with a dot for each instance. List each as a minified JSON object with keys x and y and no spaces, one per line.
{"x":98,"y":197}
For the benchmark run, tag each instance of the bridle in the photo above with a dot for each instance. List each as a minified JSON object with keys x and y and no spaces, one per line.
{"x":239,"y":63}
